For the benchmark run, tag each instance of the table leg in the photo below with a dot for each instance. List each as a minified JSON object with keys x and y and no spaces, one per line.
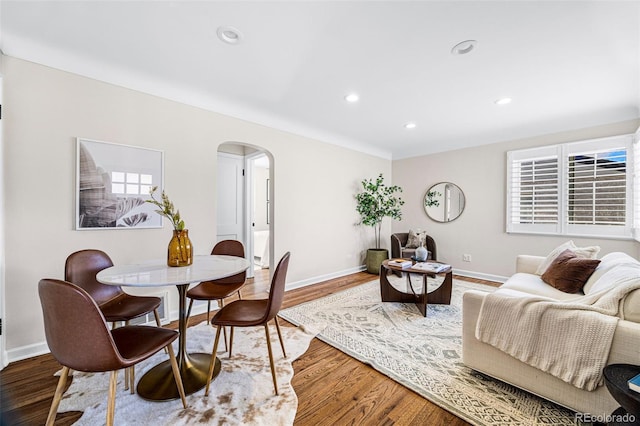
{"x":158,"y":384}
{"x":441,"y":295}
{"x":390,"y":294}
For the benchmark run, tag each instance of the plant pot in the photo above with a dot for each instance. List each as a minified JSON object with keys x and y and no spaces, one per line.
{"x":179,"y":252}
{"x":375,"y":257}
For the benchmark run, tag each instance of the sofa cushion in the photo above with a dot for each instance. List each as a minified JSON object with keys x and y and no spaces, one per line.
{"x":631,"y":307}
{"x":416,"y":238}
{"x":614,"y":275}
{"x":568,"y":272}
{"x":533,"y":285}
{"x":608,"y":262}
{"x":590,"y":252}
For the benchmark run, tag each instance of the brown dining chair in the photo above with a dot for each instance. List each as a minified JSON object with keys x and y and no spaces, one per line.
{"x":251,"y":313}
{"x":81,"y":268}
{"x":221,"y":288}
{"x":79,"y":338}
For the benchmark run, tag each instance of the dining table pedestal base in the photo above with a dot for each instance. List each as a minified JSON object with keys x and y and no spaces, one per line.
{"x":158,"y":384}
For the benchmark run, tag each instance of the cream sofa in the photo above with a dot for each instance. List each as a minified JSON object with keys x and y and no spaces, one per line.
{"x":491,"y":361}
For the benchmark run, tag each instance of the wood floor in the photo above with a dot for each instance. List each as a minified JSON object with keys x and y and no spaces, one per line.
{"x":332,"y":387}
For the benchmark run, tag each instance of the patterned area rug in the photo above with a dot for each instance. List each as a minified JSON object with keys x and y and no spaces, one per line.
{"x":423,"y":354}
{"x":241,"y":395}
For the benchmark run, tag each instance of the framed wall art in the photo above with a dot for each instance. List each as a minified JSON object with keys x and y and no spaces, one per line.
{"x":113,"y":183}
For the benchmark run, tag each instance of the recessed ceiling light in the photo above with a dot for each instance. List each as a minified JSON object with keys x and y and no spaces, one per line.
{"x":352,"y":97}
{"x":464,"y":47}
{"x":410,"y":126}
{"x":503,"y":101}
{"x":229,"y":35}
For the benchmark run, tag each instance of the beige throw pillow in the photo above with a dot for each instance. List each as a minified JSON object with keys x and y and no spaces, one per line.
{"x":416,"y":238}
{"x":590,"y":252}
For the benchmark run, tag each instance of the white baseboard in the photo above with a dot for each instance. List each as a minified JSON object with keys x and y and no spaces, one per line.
{"x":321,"y":278}
{"x":28,"y":351}
{"x":480,"y":275}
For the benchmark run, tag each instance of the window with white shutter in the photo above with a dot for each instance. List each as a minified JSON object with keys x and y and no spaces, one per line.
{"x":579,"y":188}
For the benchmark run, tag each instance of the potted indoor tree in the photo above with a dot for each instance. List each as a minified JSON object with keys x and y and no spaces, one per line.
{"x":374,"y":203}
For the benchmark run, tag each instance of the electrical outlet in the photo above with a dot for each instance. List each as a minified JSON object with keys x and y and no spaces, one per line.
{"x":466,"y":258}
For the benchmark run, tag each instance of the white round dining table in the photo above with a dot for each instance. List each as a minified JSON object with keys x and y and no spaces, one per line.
{"x":158,"y":384}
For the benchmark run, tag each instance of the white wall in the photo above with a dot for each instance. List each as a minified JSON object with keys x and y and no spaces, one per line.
{"x":480,"y":231}
{"x":46,"y":109}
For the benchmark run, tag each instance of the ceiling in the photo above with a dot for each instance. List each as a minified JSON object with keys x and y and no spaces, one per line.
{"x":566,"y":65}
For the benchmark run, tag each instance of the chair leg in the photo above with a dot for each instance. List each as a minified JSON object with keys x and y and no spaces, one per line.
{"x":111,"y":405}
{"x":273,"y":367}
{"x":155,"y":314}
{"x":280,"y":336}
{"x":230,"y":342}
{"x":239,"y":295}
{"x":57,"y":396}
{"x":189,"y":311}
{"x":132,"y":379}
{"x":208,"y":310}
{"x":212,"y":363}
{"x":128,"y":372}
{"x":176,"y":374}
{"x":224,"y":329}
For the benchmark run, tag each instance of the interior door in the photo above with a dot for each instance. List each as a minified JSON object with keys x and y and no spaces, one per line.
{"x":230,"y":197}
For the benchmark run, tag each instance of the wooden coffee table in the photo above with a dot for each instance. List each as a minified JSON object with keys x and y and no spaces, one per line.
{"x":615,"y":378}
{"x":439,"y":296}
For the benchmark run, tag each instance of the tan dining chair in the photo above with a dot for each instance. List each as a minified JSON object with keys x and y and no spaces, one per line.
{"x":220,"y":289}
{"x":79,"y":338}
{"x":251,"y":313}
{"x":81,"y":268}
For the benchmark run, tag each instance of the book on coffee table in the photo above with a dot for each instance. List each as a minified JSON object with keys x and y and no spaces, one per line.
{"x":431,"y":267}
{"x":634,"y":383}
{"x":402,"y":263}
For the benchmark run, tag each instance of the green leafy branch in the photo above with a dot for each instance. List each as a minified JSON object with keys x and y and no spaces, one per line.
{"x":166,"y":209}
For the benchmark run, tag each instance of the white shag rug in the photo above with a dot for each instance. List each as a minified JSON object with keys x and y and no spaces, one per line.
{"x":242,"y":394}
{"x":423,"y":354}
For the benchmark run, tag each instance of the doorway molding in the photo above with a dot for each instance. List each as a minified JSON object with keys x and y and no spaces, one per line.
{"x":3,"y":354}
{"x":255,"y":151}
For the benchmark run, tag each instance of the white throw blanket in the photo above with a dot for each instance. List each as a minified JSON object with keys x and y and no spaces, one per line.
{"x":568,"y":339}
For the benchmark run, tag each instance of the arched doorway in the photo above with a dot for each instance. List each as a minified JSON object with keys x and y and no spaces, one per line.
{"x":246,"y":201}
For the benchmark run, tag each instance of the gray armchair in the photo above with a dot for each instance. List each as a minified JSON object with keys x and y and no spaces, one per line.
{"x":399,"y":247}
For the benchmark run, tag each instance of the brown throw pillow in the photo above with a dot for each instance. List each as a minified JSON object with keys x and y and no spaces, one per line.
{"x":568,"y":272}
